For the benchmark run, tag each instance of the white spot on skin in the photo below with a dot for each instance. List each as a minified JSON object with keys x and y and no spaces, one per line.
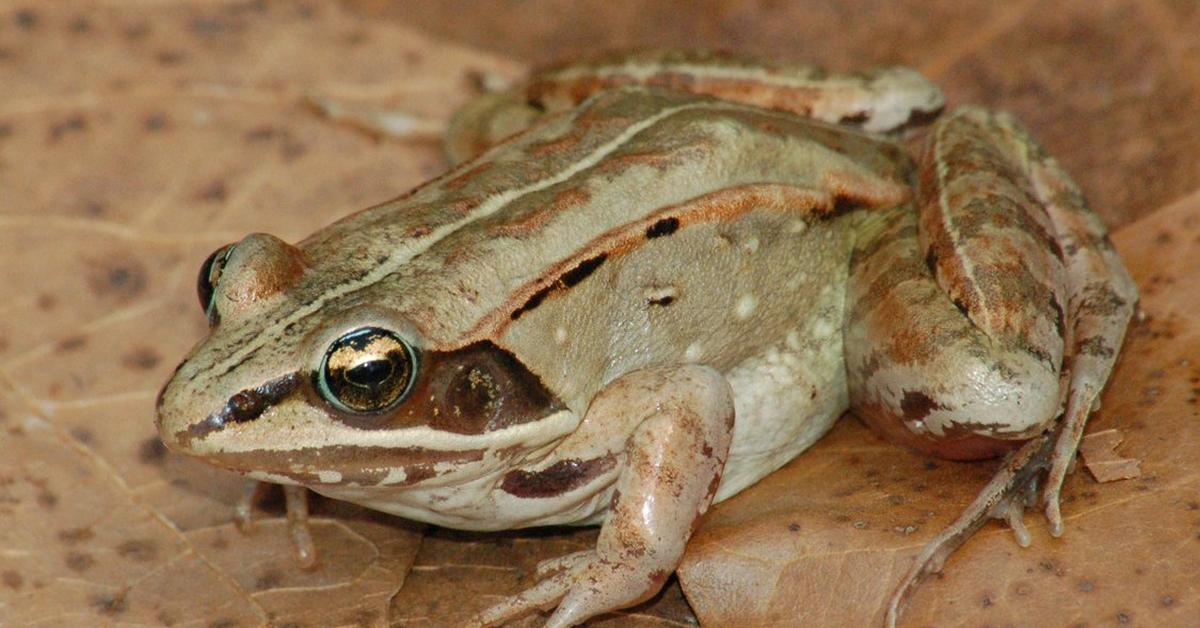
{"x":394,"y":475}
{"x":797,"y":226}
{"x":746,"y":305}
{"x":329,"y":477}
{"x":560,"y":336}
{"x":750,"y":246}
{"x":693,"y":353}
{"x":793,"y":340}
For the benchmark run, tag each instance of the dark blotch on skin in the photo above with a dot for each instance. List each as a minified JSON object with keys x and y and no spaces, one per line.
{"x":664,"y":227}
{"x":248,"y":404}
{"x":962,"y":307}
{"x":568,"y":279}
{"x":931,"y":260}
{"x":846,"y":204}
{"x":662,"y":301}
{"x":533,"y":301}
{"x":1060,"y":319}
{"x":917,"y":405}
{"x":856,"y":119}
{"x":476,"y":389}
{"x":1095,"y":346}
{"x":581,"y":272}
{"x":558,"y":478}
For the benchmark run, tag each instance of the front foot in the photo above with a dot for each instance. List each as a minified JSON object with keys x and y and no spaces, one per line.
{"x":296,"y":500}
{"x":582,"y":585}
{"x":670,"y":468}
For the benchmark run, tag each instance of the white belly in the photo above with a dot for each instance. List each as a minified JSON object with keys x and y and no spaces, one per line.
{"x":787,"y":397}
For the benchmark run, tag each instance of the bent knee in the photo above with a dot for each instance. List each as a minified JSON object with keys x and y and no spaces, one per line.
{"x":975,"y":411}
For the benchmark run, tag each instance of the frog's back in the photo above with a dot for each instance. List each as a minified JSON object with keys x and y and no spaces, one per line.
{"x":644,"y":227}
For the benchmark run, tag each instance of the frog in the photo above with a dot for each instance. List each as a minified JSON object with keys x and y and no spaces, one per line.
{"x":649,"y":280}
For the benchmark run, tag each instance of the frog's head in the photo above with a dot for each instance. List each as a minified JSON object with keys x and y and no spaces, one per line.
{"x":313,"y":375}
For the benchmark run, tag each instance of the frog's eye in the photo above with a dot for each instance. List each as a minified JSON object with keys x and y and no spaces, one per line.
{"x":206,"y":282}
{"x":367,"y":370}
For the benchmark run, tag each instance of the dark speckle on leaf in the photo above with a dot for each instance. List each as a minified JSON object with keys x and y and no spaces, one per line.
{"x":83,"y":435}
{"x":155,"y":122}
{"x":141,"y":359}
{"x":79,"y":562}
{"x":72,"y":343}
{"x":152,"y":451}
{"x":75,"y":535}
{"x":73,"y":124}
{"x":170,"y":57}
{"x":140,"y":550}
{"x":114,"y":604}
{"x":207,"y":26}
{"x":118,"y":277}
{"x":268,"y":580}
{"x":214,"y":192}
{"x":12,"y":579}
{"x":26,"y":19}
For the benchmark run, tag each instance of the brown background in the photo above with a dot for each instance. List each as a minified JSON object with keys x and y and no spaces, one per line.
{"x":135,"y":137}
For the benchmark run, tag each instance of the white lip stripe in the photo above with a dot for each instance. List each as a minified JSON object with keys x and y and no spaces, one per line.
{"x":423,"y":437}
{"x":485,"y":209}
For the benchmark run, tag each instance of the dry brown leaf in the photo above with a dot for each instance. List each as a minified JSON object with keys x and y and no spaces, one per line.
{"x":1099,"y":453}
{"x":137,"y":137}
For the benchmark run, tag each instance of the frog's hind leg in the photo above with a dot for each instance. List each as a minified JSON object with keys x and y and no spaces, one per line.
{"x":877,"y":100}
{"x":972,"y":325}
{"x":883,"y":99}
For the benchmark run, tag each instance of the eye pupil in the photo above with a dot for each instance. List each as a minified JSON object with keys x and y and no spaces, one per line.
{"x":370,"y":374}
{"x":368,"y":370}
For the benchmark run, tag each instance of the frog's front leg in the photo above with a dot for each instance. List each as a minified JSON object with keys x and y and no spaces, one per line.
{"x":682,"y":420}
{"x":972,"y":325}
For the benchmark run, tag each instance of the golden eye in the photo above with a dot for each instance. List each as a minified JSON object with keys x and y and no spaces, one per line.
{"x":206,"y":282}
{"x":366,"y":371}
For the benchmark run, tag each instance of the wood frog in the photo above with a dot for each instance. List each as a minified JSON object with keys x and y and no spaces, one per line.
{"x":662,"y":277}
